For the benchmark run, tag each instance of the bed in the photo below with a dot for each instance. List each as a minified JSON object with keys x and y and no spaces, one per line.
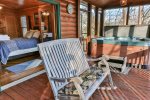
{"x":9,"y":48}
{"x":17,"y":47}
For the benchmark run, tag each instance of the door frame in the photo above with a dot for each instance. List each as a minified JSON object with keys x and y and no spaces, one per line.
{"x":58,"y":20}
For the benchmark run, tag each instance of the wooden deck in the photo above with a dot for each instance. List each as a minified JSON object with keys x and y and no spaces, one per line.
{"x":134,"y":86}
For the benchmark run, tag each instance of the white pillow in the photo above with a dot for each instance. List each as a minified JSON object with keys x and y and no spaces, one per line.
{"x":4,"y":37}
{"x":36,"y":34}
{"x":29,"y":34}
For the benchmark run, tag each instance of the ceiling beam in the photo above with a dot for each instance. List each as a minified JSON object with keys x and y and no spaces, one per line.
{"x":116,"y":3}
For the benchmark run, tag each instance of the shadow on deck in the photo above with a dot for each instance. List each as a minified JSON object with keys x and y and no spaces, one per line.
{"x":134,"y":86}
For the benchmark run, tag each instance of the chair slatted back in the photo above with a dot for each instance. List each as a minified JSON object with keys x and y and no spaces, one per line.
{"x":63,"y":58}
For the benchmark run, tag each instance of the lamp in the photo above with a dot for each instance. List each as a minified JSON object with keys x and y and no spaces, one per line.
{"x":123,"y":2}
{"x":45,"y":13}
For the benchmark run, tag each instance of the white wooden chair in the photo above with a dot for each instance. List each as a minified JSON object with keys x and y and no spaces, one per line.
{"x":64,"y":62}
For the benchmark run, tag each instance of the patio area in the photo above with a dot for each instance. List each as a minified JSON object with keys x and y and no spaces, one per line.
{"x":134,"y":86}
{"x":80,"y":44}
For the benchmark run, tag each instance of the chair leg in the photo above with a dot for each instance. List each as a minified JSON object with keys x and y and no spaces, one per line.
{"x":112,"y":86}
{"x":111,"y":82}
{"x":57,"y":98}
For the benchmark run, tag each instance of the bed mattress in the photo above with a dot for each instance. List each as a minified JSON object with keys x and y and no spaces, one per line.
{"x":9,"y":46}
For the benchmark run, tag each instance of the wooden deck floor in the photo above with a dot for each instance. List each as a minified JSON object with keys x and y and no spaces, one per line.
{"x":134,"y":86}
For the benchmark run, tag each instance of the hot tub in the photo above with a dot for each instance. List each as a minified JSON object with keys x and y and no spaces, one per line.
{"x":135,"y":49}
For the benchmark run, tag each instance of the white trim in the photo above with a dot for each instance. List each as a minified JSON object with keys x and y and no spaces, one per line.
{"x":21,"y":80}
{"x":23,"y":51}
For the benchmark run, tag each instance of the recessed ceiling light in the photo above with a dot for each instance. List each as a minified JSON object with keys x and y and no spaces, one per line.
{"x":123,"y":2}
{"x":20,"y":2}
{"x":1,"y":7}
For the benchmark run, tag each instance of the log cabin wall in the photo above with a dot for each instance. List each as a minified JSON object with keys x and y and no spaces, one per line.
{"x":68,"y":22}
{"x":9,"y":23}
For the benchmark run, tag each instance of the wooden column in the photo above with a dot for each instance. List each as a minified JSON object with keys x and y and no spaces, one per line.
{"x":96,"y":22}
{"x":89,"y":29}
{"x":78,"y":18}
{"x":102,"y":23}
{"x":127,"y":18}
{"x":124,"y":16}
{"x":0,"y":67}
{"x":140,"y":15}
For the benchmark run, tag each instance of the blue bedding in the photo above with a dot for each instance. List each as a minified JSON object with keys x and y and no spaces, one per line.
{"x":6,"y":47}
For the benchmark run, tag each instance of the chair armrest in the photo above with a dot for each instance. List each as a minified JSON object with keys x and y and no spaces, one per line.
{"x":58,"y":79}
{"x":77,"y":80}
{"x":98,"y":59}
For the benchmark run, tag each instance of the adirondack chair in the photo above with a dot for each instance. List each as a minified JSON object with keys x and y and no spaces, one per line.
{"x":64,"y":62}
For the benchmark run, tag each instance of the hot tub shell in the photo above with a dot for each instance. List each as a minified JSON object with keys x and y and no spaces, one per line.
{"x":136,"y":51}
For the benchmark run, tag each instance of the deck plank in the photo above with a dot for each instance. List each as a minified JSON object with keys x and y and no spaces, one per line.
{"x":134,"y":86}
{"x":30,"y":90}
{"x":13,"y":94}
{"x":24,"y":93}
{"x":4,"y":96}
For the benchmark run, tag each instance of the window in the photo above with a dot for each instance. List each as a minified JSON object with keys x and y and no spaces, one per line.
{"x":83,"y":6}
{"x":146,"y":14}
{"x":83,"y":19}
{"x":113,"y":17}
{"x":24,"y":24}
{"x":93,"y":22}
{"x":133,"y":15}
{"x":137,"y":15}
{"x":84,"y":23}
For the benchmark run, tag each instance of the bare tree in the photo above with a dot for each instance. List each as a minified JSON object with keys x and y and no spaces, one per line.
{"x":146,"y":14}
{"x":114,"y":17}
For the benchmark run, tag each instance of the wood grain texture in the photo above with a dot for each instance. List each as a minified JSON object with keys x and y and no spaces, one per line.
{"x":68,"y":21}
{"x":8,"y":76}
{"x":116,"y":3}
{"x":133,"y":86}
{"x":29,"y":13}
{"x":134,"y":54}
{"x":10,"y":24}
{"x":20,"y":4}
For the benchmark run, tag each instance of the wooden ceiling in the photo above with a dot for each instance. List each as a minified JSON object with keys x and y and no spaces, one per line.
{"x":20,"y":4}
{"x":116,"y":3}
